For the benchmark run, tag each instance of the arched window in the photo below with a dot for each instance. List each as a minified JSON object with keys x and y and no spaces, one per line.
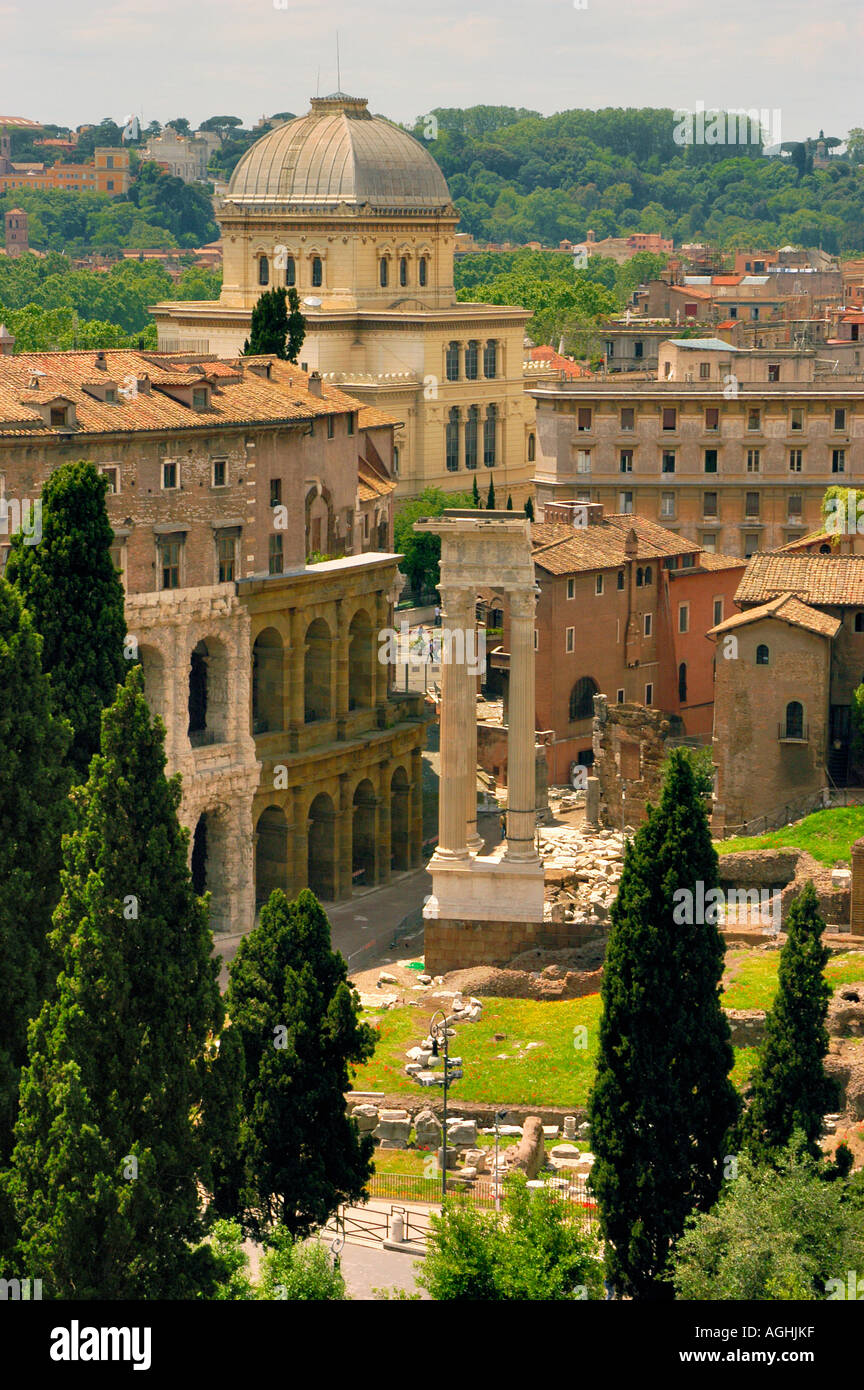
{"x":582,"y":698}
{"x":639,"y":577}
{"x":452,"y":441}
{"x":762,"y":655}
{"x":383,"y":272}
{"x":423,"y":270}
{"x":403,"y":270}
{"x":489,"y":436}
{"x":490,"y":359}
{"x":452,"y":362}
{"x":682,"y":681}
{"x":532,"y":448}
{"x":472,"y":355}
{"x":648,"y":575}
{"x":317,"y":272}
{"x":471,"y":432}
{"x":263,"y":271}
{"x":794,"y":719}
{"x":290,"y":272}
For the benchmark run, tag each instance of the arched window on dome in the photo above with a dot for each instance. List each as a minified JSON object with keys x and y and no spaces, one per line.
{"x":290,"y":271}
{"x":383,"y":272}
{"x":403,"y":270}
{"x":423,"y":270}
{"x":317,"y":272}
{"x":263,"y":271}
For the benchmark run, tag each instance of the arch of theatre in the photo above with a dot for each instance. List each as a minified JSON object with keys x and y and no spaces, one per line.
{"x":354,"y":213}
{"x":485,"y":908}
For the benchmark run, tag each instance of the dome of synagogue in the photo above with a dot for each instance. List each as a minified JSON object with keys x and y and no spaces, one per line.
{"x":339,"y":154}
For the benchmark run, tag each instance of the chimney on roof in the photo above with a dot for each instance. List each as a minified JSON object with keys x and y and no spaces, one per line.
{"x":316,"y":385}
{"x":631,"y":544}
{"x":100,"y":363}
{"x":7,"y":341}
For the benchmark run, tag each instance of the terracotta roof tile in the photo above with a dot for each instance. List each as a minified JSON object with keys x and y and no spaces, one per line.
{"x":824,"y":580}
{"x":562,"y":549}
{"x":788,"y":609}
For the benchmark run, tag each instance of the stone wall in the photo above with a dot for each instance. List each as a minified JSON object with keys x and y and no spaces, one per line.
{"x":787,"y":869}
{"x":629,"y":748}
{"x":457,"y":945}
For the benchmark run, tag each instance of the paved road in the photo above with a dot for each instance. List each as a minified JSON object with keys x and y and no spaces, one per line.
{"x":366,"y":1268}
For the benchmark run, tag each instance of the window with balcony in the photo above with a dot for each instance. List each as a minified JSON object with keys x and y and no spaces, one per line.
{"x":793,"y":727}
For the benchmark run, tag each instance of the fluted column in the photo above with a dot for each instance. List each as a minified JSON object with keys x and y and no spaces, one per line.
{"x":521,"y":793}
{"x":458,"y":710}
{"x":473,"y":839}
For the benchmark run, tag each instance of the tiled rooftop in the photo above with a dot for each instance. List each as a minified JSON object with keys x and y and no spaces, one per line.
{"x":788,"y":609}
{"x":826,"y":580}
{"x":562,"y":549}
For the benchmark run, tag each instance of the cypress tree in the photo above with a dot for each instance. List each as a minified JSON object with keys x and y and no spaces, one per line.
{"x":509,"y":502}
{"x":475,"y":493}
{"x":74,"y":596}
{"x":290,"y":1003}
{"x":662,"y":1102}
{"x":296,"y":327}
{"x":529,"y":509}
{"x":110,"y":1147}
{"x":789,"y":1089}
{"x":490,"y":496}
{"x":33,"y":812}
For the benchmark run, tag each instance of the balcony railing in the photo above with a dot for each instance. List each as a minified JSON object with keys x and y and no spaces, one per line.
{"x":792,"y":732}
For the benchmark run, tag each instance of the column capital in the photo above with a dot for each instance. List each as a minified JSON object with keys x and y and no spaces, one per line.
{"x":523,"y":603}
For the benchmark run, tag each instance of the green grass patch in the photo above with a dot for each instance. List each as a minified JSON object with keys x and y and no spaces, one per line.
{"x":827,"y":835}
{"x":753,"y":982}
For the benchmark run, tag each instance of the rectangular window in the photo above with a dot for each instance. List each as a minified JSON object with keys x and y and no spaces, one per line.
{"x":169,"y":562}
{"x":112,"y":475}
{"x":619,"y":697}
{"x":709,"y":504}
{"x":638,"y":348}
{"x":670,"y":417}
{"x":795,"y":506}
{"x":628,"y":418}
{"x":351,"y":423}
{"x":795,"y":460}
{"x":169,"y":473}
{"x":668,"y":464}
{"x":58,"y":416}
{"x":331,"y":426}
{"x":646,"y":624}
{"x":704,"y":371}
{"x":718,"y":611}
{"x":625,"y":502}
{"x":571,"y":588}
{"x":751,"y":543}
{"x":626,"y":461}
{"x":536,"y":640}
{"x":710,"y":460}
{"x":275,"y":492}
{"x":199,"y":398}
{"x":684,"y":617}
{"x":838,"y":460}
{"x":274,"y":558}
{"x":598,"y":584}
{"x":649,"y":694}
{"x":754,"y":419}
{"x":709,"y":542}
{"x":751,"y":504}
{"x":752,"y":460}
{"x":226,"y":547}
{"x":583,"y":461}
{"x":796,"y":419}
{"x":620,"y":579}
{"x":584,"y":419}
{"x":569,"y":639}
{"x":667,"y":504}
{"x":712,"y":418}
{"x":840,"y":419}
{"x":773,"y":371}
{"x":220,"y":477}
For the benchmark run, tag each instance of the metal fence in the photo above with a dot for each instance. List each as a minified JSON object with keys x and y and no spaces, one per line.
{"x":792,"y":811}
{"x":406,"y":1187}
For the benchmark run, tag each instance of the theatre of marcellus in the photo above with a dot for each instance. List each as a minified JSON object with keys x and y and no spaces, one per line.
{"x":300,"y":766}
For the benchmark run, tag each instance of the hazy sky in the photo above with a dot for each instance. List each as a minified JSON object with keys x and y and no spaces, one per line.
{"x":76,"y":62}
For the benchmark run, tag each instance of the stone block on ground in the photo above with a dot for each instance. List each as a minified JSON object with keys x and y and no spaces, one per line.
{"x":462,"y":1133}
{"x":427,"y":1128}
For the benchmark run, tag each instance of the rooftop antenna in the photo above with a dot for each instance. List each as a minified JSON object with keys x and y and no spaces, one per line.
{"x":338,"y":66}
{"x":318,"y":84}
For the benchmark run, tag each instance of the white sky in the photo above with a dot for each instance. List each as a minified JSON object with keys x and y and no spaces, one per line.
{"x":77,"y":62}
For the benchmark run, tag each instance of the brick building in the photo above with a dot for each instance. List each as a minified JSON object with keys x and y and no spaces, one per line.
{"x":730,"y":448}
{"x":622,"y":610}
{"x":787,"y":666}
{"x":108,"y":172}
{"x":298,"y":764}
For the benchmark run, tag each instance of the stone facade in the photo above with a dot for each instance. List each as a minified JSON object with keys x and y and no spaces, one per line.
{"x":629,"y":749}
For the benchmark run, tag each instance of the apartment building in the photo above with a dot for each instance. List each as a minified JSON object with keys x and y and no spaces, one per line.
{"x":623,"y":610}
{"x":299,"y":767}
{"x":108,"y":172}
{"x":731,"y":448}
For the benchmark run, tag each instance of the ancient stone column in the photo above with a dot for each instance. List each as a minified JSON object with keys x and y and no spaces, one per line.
{"x":473,"y":839}
{"x":415,"y":850}
{"x":521,"y":791}
{"x":458,"y":711}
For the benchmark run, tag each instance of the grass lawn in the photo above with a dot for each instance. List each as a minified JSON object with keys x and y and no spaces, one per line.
{"x":753,"y":976}
{"x":827,"y":835}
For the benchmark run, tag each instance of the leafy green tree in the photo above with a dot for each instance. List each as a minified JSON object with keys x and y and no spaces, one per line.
{"x":277,"y":326}
{"x":789,"y":1088}
{"x":291,"y":1270}
{"x":778,"y":1232}
{"x":297,"y":1017}
{"x":33,"y":813}
{"x":538,"y":1249}
{"x":662,"y":1102}
{"x":74,"y":595}
{"x":490,"y":496}
{"x":109,"y":1155}
{"x":421,"y":551}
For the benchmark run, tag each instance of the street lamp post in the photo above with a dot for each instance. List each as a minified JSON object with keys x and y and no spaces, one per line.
{"x":499,"y":1116}
{"x":434,"y":1030}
